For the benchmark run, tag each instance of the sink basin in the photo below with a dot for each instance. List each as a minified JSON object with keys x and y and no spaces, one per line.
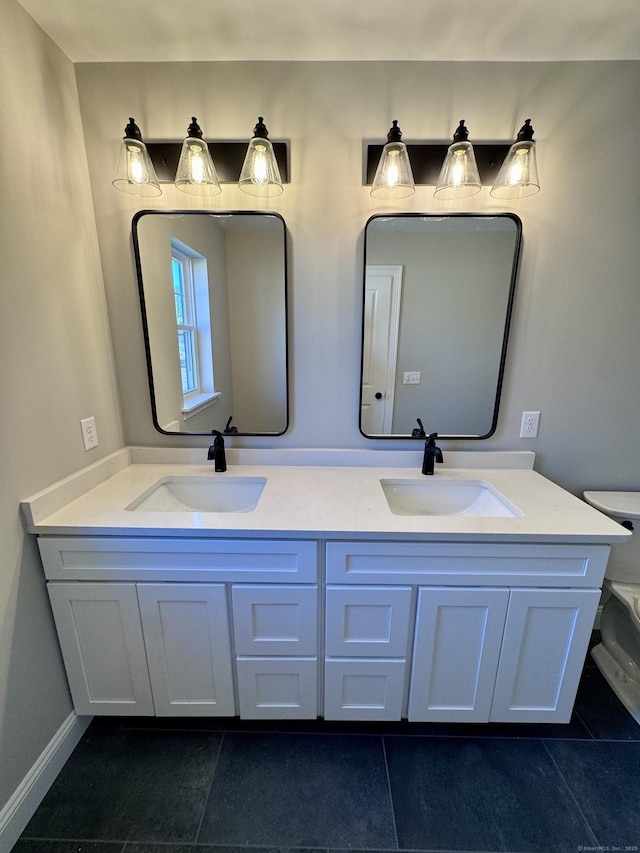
{"x":201,"y":494}
{"x":447,"y":497}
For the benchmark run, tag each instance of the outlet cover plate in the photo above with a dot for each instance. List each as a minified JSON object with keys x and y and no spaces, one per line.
{"x":529,"y":425}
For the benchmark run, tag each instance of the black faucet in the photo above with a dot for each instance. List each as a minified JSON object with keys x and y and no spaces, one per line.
{"x":216,"y":452}
{"x":431,"y":454}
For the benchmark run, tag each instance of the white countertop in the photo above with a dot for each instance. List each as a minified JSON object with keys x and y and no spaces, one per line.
{"x":317,"y":501}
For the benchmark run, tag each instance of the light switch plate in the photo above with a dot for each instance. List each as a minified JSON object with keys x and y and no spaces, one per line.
{"x":411,"y":377}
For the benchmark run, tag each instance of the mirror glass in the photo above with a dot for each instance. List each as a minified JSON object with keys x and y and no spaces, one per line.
{"x":213,"y":293}
{"x":438,"y":295}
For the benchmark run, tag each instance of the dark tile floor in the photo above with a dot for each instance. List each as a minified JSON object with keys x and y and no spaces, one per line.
{"x":177,"y":786}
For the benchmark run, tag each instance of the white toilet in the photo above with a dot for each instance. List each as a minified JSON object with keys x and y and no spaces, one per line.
{"x":618,"y":655}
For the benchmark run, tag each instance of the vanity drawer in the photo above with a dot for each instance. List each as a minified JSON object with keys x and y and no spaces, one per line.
{"x":184,"y":560}
{"x":364,"y":689}
{"x":277,"y":688}
{"x":368,"y":621}
{"x":464,"y":564}
{"x":275,"y":620}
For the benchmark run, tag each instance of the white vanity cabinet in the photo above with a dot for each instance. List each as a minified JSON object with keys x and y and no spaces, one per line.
{"x":151,"y":645}
{"x":496,"y":632}
{"x":431,"y":631}
{"x":499,"y":655}
{"x":141,"y":649}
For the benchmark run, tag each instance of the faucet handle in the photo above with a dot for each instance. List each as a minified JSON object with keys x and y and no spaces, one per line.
{"x":418,"y":432}
{"x":230,"y":430}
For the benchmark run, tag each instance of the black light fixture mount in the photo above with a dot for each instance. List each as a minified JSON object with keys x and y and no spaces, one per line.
{"x":228,"y":157}
{"x":427,"y":159}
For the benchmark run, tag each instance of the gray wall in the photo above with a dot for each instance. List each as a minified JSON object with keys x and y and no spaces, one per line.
{"x":55,"y":363}
{"x":574,"y":345}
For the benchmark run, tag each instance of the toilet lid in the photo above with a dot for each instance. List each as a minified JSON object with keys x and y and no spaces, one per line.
{"x":621,"y":504}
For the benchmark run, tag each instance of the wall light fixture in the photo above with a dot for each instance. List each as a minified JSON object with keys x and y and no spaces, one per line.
{"x":459,"y":176}
{"x":190,"y":164}
{"x":196,"y":173}
{"x":393,"y":178}
{"x":134,"y":170}
{"x":458,"y":170}
{"x":518,"y":175}
{"x":260,"y":174}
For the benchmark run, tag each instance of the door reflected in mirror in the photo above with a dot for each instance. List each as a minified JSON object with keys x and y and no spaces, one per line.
{"x":437,"y":303}
{"x":213,"y":293}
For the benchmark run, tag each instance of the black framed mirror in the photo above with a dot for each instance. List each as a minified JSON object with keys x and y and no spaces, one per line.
{"x":213,"y":296}
{"x":438,"y":295}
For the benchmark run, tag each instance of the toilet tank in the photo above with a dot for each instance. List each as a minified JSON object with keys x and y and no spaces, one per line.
{"x":624,"y":562}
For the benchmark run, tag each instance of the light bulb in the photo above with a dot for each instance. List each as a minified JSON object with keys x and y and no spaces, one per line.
{"x":197,"y":166}
{"x":260,"y":169}
{"x":392,"y":170}
{"x":135,"y":164}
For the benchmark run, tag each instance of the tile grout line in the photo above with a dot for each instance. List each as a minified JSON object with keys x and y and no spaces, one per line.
{"x":206,"y":800}
{"x":577,"y":713}
{"x":570,"y":789}
{"x":393,"y":811}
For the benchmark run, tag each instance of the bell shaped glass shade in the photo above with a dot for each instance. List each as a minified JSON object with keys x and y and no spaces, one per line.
{"x":459,"y":177}
{"x":260,"y":174}
{"x":134,"y":170}
{"x":393,"y":177}
{"x":518,"y":175}
{"x":196,"y":173}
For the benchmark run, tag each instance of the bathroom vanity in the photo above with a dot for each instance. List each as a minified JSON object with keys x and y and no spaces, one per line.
{"x":325,"y":598}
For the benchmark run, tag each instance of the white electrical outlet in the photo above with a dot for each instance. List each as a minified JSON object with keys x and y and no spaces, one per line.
{"x":530,"y":424}
{"x":89,"y":433}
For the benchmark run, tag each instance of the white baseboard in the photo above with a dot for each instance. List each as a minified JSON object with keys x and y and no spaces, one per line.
{"x":30,"y":792}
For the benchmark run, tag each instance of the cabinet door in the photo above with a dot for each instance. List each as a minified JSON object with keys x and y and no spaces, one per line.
{"x":278,"y":688}
{"x":368,"y":621}
{"x":545,"y":642}
{"x":102,"y":646}
{"x":186,"y":631}
{"x":456,"y":651}
{"x":275,"y":619}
